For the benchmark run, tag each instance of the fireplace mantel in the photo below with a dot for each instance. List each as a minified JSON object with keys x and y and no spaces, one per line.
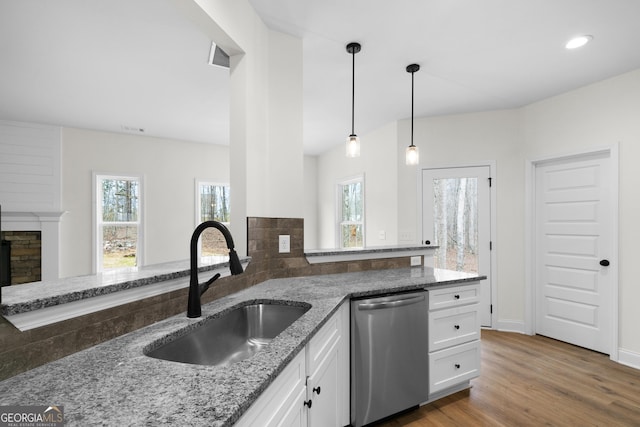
{"x":48,"y":223}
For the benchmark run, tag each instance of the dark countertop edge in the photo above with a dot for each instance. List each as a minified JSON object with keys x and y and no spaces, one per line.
{"x":97,"y":290}
{"x":370,"y":250}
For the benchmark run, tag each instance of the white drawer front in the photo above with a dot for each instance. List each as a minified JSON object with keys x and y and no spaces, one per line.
{"x":453,"y":297}
{"x":453,"y":326}
{"x":453,"y":366}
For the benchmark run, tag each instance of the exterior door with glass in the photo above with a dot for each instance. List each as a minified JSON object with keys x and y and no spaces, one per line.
{"x":456,"y":216}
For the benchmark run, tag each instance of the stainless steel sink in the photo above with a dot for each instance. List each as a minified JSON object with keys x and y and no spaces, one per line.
{"x":234,"y":336}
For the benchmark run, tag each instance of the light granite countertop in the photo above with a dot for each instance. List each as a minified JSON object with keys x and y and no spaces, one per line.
{"x":34,"y":296}
{"x":114,"y":383}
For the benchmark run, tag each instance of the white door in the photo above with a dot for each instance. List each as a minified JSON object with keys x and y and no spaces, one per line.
{"x":456,"y":216}
{"x":573,"y":244}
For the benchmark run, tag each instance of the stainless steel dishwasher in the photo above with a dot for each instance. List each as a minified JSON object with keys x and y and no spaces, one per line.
{"x":389,"y":360}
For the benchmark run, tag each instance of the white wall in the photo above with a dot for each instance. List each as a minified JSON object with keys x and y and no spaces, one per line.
{"x":310,"y":202}
{"x":170,"y":169}
{"x":377,"y":162}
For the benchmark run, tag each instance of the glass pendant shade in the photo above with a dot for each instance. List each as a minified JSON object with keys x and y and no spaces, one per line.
{"x":353,"y":146}
{"x":412,"y":155}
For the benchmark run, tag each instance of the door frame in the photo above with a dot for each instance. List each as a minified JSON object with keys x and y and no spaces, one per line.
{"x":493,"y":281}
{"x":530,"y":240}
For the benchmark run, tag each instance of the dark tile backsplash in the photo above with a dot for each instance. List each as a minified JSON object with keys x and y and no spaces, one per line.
{"x":21,"y":351}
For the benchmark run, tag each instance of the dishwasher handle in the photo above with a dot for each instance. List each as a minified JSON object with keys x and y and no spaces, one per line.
{"x":390,"y":304}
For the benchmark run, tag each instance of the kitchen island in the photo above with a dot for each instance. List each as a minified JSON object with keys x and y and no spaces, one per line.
{"x":115,"y":383}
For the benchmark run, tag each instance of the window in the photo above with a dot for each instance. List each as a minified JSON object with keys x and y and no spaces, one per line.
{"x":351,"y":213}
{"x":118,"y":222}
{"x":212,"y":205}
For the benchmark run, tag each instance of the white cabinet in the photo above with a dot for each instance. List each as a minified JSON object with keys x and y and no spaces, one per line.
{"x":281,"y":404}
{"x":454,"y":339}
{"x":328,"y":372}
{"x":313,"y":390}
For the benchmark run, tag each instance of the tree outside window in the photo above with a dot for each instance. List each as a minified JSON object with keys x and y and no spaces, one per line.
{"x":351,"y":225}
{"x":213,"y":206}
{"x":118,"y":222}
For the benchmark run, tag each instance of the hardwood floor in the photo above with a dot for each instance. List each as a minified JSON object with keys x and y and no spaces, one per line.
{"x":536,"y":381}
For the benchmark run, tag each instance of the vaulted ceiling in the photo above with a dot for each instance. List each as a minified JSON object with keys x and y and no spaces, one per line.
{"x":126,"y":65}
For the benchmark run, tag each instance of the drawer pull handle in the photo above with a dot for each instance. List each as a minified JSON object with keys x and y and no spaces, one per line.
{"x":456,"y":296}
{"x":456,"y":327}
{"x":308,"y":403}
{"x":457,"y":365}
{"x":316,"y":389}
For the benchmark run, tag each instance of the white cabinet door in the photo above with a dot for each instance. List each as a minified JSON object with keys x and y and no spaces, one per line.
{"x":322,"y":391}
{"x":328,"y":370}
{"x":296,"y":414}
{"x":281,"y":404}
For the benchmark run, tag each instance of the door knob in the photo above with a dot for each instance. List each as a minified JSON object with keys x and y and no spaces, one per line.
{"x":604,"y":263}
{"x":427,"y":242}
{"x":316,"y":390}
{"x":308,"y":403}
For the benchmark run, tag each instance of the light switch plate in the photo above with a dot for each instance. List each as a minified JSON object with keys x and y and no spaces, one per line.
{"x":284,"y":243}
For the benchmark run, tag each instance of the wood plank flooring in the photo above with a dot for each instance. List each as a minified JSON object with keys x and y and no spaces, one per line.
{"x":537,"y":381}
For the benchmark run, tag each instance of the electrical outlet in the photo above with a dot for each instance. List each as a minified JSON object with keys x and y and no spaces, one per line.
{"x":416,"y":261}
{"x":382,"y":235}
{"x":284,"y":243}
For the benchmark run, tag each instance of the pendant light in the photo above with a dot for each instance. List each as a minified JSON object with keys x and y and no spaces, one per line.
{"x":353,"y":142}
{"x":412,"y":154}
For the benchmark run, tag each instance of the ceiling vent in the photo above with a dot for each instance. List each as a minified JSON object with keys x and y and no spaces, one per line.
{"x":218,"y":57}
{"x":132,"y":129}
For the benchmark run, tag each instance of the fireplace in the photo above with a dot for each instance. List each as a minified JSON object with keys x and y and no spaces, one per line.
{"x":25,"y":256}
{"x":34,"y":239}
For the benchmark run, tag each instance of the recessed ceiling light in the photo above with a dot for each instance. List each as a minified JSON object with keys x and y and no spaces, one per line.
{"x":577,"y":42}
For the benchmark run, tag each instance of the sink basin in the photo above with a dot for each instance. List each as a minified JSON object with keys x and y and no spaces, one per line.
{"x":234,"y":336}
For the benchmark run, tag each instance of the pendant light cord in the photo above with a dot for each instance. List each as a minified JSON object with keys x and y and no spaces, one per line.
{"x":353,"y":89}
{"x":412,"y":108}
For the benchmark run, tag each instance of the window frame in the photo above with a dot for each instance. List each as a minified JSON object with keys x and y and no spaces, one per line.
{"x":98,"y":223}
{"x":338,"y":205}
{"x":198,"y":204}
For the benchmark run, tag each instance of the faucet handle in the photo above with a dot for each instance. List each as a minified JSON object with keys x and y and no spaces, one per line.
{"x":204,"y":286}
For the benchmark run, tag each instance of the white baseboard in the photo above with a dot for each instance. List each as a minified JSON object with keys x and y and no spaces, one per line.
{"x":510,"y":326}
{"x":629,"y":358}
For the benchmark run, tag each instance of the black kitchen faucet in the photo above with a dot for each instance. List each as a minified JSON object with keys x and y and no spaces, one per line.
{"x":196,"y":289}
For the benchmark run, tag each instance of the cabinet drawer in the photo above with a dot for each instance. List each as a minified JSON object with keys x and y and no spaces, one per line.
{"x":324,"y":341}
{"x":453,"y":366}
{"x":453,"y":326}
{"x":453,"y":297}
